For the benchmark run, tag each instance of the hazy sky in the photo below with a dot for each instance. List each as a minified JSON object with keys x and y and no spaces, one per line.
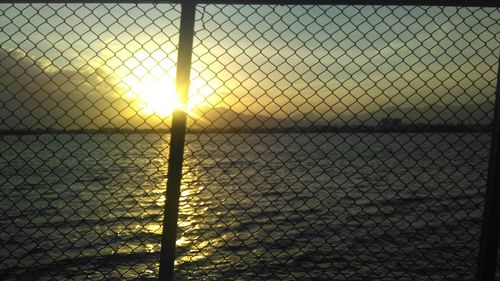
{"x":364,"y":55}
{"x":278,"y":60}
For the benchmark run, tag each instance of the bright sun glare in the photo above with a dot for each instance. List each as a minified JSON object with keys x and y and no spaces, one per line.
{"x":155,"y":96}
{"x":150,"y":83}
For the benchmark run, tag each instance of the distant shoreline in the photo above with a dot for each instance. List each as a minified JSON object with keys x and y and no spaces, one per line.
{"x":476,"y":128}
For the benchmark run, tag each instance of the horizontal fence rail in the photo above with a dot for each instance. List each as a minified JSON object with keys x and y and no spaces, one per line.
{"x":454,"y":3}
{"x":322,"y":141}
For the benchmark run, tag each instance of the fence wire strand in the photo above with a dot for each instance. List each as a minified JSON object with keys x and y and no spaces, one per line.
{"x":324,"y":142}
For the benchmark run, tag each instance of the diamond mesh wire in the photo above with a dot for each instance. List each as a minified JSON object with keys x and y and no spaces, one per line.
{"x":82,"y":172}
{"x":337,"y":143}
{"x":325,"y":142}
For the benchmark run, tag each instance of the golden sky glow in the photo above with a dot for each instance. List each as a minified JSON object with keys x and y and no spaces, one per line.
{"x":148,"y":80}
{"x":117,"y":62}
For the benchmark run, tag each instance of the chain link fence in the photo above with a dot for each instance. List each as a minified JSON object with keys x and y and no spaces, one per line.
{"x":324,"y":142}
{"x":85,"y":91}
{"x":338,"y":143}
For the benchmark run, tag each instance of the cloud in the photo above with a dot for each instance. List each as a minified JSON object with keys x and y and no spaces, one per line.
{"x":35,"y":95}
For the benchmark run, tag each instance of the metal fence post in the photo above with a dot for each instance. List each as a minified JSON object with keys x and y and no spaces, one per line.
{"x":177,"y":137}
{"x":491,"y":218}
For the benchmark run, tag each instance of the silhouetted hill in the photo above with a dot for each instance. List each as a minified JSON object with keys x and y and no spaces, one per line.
{"x":221,"y":118}
{"x":36,"y":97}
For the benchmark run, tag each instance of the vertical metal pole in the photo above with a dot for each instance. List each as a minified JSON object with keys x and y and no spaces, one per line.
{"x":177,"y":137}
{"x":491,"y":218}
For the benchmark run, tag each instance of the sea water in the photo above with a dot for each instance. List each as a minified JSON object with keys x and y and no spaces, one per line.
{"x":334,"y":206}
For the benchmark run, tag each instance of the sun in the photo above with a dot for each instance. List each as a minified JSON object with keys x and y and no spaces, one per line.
{"x":152,"y":90}
{"x":149,"y":80}
{"x":155,"y":96}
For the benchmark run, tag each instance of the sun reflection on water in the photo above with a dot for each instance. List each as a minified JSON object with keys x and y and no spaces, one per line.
{"x":191,"y":245}
{"x":196,"y":216}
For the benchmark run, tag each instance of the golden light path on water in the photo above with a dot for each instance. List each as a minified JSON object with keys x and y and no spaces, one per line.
{"x":194,"y":215}
{"x":194,"y":220}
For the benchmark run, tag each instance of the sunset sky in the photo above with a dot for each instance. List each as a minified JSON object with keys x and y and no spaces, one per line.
{"x":116,"y":63}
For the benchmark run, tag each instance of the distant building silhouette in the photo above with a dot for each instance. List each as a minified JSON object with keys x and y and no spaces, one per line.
{"x":387,"y":123}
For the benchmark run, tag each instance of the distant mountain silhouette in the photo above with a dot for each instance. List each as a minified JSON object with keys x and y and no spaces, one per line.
{"x":35,"y":97}
{"x":221,"y":118}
